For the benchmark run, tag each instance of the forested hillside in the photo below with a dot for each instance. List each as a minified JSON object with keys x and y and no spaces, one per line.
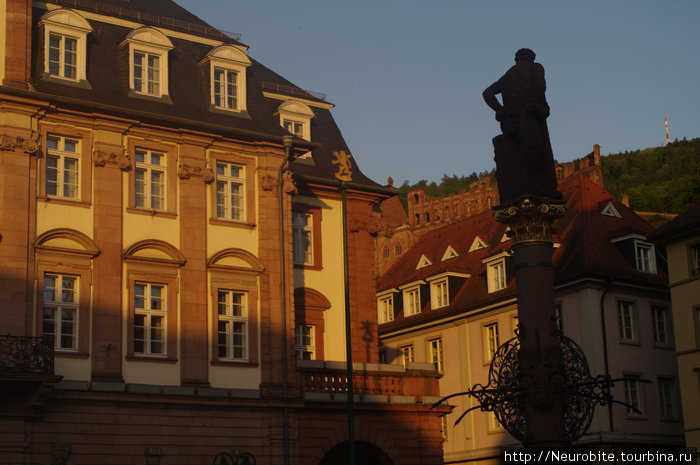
{"x":658,"y":179}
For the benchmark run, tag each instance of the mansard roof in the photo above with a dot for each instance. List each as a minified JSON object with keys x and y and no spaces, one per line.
{"x":188,"y":90}
{"x":585,"y":250}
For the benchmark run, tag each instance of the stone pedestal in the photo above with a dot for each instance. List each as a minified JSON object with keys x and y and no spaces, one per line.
{"x":541,"y":374}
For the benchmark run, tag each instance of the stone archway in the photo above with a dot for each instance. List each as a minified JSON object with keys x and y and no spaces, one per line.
{"x":366,"y":453}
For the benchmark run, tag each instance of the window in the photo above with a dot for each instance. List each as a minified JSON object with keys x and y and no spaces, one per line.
{"x":439,"y":294}
{"x":626,"y":321}
{"x":385,"y":309}
{"x":150,"y":310}
{"x":633,"y":395}
{"x":148,"y":62}
{"x":490,"y":341}
{"x":146,"y":73}
{"x":406,"y":353}
{"x":494,"y":426}
{"x":63,"y":56}
{"x":646,"y":261}
{"x":65,"y":34}
{"x":227,"y":67}
{"x":435,"y":353}
{"x":382,"y":356}
{"x":660,"y":325}
{"x":60,"y":310}
{"x":232,"y":328}
{"x":294,"y":127}
{"x":411,"y":301}
{"x":225,"y":89}
{"x":230,"y":191}
{"x":386,"y":253}
{"x":295,"y":117}
{"x":496,"y":272}
{"x":695,"y":260}
{"x":149,"y":180}
{"x":62,"y":177}
{"x":398,"y":249}
{"x":496,"y":275}
{"x":305,"y":342}
{"x":667,"y":398}
{"x":302,"y":236}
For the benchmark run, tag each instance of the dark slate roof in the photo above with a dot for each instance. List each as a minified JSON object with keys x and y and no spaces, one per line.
{"x":684,"y":225}
{"x":108,"y":76}
{"x":585,"y":250}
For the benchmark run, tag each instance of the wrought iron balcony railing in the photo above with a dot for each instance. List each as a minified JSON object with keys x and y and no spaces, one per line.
{"x":23,"y":355}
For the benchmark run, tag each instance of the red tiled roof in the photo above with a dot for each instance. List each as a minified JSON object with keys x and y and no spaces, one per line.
{"x":585,"y":248}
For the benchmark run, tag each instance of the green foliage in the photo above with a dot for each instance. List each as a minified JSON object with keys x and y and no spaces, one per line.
{"x":448,"y":185}
{"x":658,"y":179}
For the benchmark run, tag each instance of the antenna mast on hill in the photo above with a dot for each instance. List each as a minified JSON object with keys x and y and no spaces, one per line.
{"x":668,"y":139}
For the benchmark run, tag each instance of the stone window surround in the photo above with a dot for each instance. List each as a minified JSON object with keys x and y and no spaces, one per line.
{"x":249,"y":196}
{"x":171,"y":184}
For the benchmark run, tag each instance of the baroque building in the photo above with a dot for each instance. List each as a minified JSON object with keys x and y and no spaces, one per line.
{"x":450,"y":300}
{"x":171,"y":281}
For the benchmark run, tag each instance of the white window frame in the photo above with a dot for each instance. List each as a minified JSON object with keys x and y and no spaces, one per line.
{"x":668,"y":398}
{"x":439,"y":293}
{"x":62,"y":302}
{"x":293,"y":112}
{"x":491,"y":340}
{"x":411,"y":301}
{"x":305,"y":342}
{"x":149,"y":42}
{"x":435,"y":354}
{"x":149,"y":201}
{"x":634,"y":395}
{"x":150,"y":313}
{"x":385,"y":308}
{"x":303,"y":238}
{"x":228,"y":182}
{"x":228,"y":59}
{"x":407,"y":355}
{"x":227,"y":96}
{"x":626,"y":321}
{"x":645,"y":257}
{"x":496,"y":273}
{"x":232,"y":312}
{"x":661,"y":325}
{"x":62,"y":157}
{"x":66,"y":24}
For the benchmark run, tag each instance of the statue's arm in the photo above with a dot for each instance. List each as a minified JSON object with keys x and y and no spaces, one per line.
{"x":490,"y":97}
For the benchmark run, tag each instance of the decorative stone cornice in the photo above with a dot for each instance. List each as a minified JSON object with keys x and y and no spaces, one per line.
{"x":530,"y":218}
{"x":109,"y":158}
{"x":19,"y":144}
{"x":186,"y":172}
{"x":268,"y":182}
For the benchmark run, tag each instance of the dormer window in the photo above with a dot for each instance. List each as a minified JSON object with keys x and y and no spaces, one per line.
{"x":646,"y":260}
{"x":385,"y":306}
{"x":148,"y":62}
{"x":496,"y":278}
{"x":227,"y":70}
{"x":412,"y":302}
{"x":295,"y":117}
{"x":440,"y":286}
{"x":65,"y":34}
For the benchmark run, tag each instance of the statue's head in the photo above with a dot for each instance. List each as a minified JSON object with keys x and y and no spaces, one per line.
{"x":525,"y":54}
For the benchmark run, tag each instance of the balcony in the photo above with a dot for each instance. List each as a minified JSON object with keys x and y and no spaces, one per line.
{"x":372,"y":382}
{"x":23,"y":355}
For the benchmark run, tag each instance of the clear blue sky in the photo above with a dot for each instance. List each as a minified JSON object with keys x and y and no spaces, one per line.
{"x":406,"y":76}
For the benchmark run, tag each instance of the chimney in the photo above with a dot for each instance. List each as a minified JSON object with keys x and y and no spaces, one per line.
{"x":596,"y":155}
{"x":625,"y":200}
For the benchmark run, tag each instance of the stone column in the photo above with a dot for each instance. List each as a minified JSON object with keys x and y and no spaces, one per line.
{"x":109,"y":161}
{"x":541,"y":374}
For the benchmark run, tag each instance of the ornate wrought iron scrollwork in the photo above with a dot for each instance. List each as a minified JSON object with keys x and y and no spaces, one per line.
{"x":503,"y":394}
{"x":26,"y":355}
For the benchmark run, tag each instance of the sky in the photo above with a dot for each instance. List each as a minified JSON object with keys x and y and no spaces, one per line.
{"x":406,"y":76}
